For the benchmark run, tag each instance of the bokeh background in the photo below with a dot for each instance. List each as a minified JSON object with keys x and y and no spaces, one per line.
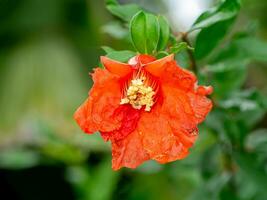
{"x":47,"y":49}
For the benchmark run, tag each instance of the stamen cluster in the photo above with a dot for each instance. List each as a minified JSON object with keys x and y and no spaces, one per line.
{"x":139,"y":94}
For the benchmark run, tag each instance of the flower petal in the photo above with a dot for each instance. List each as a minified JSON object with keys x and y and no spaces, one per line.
{"x":100,"y":111}
{"x":157,"y":67}
{"x":181,"y":116}
{"x":128,"y":152}
{"x":201,"y":105}
{"x":115,"y":67}
{"x":178,"y":77}
{"x":128,"y":124}
{"x":158,"y":138}
{"x":183,"y":95}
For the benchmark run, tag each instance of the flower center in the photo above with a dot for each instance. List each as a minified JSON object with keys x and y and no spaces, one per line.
{"x":139,"y":94}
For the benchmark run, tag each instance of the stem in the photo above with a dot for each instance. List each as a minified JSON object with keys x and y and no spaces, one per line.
{"x":193,"y":64}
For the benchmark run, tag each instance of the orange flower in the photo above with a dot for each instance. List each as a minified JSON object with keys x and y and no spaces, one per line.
{"x":148,"y":109}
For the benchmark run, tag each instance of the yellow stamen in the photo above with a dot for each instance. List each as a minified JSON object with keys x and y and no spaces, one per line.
{"x":139,"y":94}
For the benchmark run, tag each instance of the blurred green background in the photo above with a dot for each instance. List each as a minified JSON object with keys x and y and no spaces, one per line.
{"x":47,"y":49}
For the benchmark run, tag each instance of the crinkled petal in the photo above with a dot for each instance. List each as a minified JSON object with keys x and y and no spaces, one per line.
{"x":183,"y":95}
{"x":178,"y":77}
{"x":128,"y":152}
{"x":185,"y":110}
{"x":100,"y":111}
{"x":201,"y":105}
{"x":128,"y":125}
{"x":177,"y":106}
{"x":159,"y":140}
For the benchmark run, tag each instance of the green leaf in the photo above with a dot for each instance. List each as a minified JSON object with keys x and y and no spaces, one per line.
{"x":204,"y":16}
{"x":210,"y":37}
{"x":124,"y":12}
{"x":108,"y":49}
{"x":164,"y":32}
{"x":180,"y":47}
{"x":138,"y":32}
{"x":162,"y":54}
{"x":228,"y":9}
{"x":144,"y":30}
{"x":152,"y":32}
{"x":122,"y":56}
{"x":214,"y":24}
{"x":218,"y":17}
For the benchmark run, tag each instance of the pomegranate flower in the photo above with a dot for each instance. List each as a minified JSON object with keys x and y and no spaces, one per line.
{"x":147,"y":108}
